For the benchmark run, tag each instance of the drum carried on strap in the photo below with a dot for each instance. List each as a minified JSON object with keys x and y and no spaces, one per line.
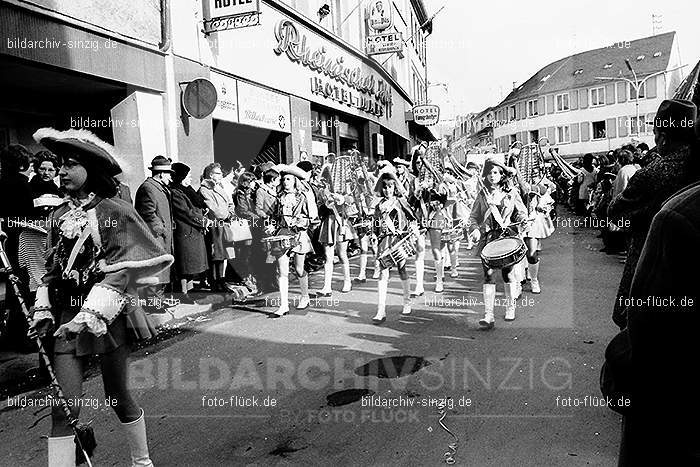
{"x":363,"y":226}
{"x":398,"y":252}
{"x":503,"y":252}
{"x":278,"y":245}
{"x":452,"y":235}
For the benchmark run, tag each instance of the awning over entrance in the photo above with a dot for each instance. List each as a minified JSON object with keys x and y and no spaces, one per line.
{"x":423,"y":133}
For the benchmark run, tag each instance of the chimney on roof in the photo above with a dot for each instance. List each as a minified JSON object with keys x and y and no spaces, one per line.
{"x":515,"y":85}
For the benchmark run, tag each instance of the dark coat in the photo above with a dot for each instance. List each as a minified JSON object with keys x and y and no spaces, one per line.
{"x":190,"y":249}
{"x":15,"y":187}
{"x":153,"y":201}
{"x":664,"y":342}
{"x":646,"y":191}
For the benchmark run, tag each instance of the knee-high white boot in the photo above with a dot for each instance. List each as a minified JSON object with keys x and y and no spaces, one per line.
{"x":420,"y":272}
{"x":534,"y":279}
{"x":347,"y":284}
{"x":447,"y":259}
{"x":511,"y":298}
{"x":453,"y":260}
{"x":327,"y":278}
{"x":304,"y":300}
{"x":377,"y":269}
{"x":363,"y":267}
{"x":406,"y":297}
{"x":283,"y":282}
{"x":440,"y":268}
{"x":61,"y":451}
{"x":382,"y":286}
{"x":138,"y":444}
{"x":489,"y":300}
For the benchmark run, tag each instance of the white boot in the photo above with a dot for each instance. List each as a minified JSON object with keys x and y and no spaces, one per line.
{"x":327,"y":278}
{"x":283,"y":309}
{"x":511,"y":289}
{"x":440,"y":267}
{"x":347,"y":283}
{"x":453,"y":260}
{"x":382,"y":286}
{"x":362,"y":276}
{"x":447,"y":259}
{"x":304,"y":300}
{"x":62,"y":451}
{"x":377,"y":270}
{"x":534,"y":279}
{"x":406,"y":297}
{"x":138,"y":444}
{"x":420,"y":271}
{"x":489,"y":300}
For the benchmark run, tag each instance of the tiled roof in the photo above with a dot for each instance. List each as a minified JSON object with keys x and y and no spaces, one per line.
{"x":581,"y":69}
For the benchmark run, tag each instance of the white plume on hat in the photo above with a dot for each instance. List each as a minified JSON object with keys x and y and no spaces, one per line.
{"x":292,"y":170}
{"x":81,"y":135}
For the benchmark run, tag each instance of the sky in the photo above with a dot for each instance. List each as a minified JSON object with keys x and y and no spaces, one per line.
{"x":478,"y":48}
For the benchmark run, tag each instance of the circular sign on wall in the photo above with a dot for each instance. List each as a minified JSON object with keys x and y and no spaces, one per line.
{"x":199,"y":98}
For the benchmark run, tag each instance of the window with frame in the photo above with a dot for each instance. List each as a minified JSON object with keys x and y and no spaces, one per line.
{"x":598,"y":129}
{"x":511,"y":112}
{"x":597,"y":96}
{"x":562,"y":102}
{"x":532,"y":108}
{"x":642,"y":91}
{"x":637,"y":128}
{"x":513,"y":138}
{"x":563,"y":134}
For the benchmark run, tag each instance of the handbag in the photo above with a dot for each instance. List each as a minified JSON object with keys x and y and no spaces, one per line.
{"x":238,"y":230}
{"x":616,"y":372}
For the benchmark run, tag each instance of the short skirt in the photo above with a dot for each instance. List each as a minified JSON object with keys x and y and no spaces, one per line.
{"x":130,"y":326}
{"x":332,"y":231}
{"x":541,"y":227}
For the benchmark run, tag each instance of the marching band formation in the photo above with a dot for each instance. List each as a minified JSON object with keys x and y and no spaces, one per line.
{"x":502,"y":215}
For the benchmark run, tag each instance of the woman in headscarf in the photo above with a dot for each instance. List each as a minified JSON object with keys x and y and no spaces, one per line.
{"x":101,"y":251}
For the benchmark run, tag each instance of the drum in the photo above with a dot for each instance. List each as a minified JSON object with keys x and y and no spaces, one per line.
{"x":280,"y":244}
{"x":363,"y":227}
{"x":452,"y":235}
{"x":398,"y":252}
{"x":503,"y":252}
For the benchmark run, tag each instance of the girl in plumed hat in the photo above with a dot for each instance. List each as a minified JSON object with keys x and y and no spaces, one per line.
{"x":290,"y":216}
{"x":496,"y":200}
{"x":101,"y":251}
{"x":392,"y":221}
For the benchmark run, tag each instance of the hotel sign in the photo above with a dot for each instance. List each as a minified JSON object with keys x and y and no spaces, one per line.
{"x":222,"y":15}
{"x":426,"y":115}
{"x":384,"y":43}
{"x":336,"y":80}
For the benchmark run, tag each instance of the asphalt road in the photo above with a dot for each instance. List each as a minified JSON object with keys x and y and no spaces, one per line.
{"x":241,"y":389}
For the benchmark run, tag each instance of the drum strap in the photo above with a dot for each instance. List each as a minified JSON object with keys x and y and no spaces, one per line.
{"x":496,"y":215}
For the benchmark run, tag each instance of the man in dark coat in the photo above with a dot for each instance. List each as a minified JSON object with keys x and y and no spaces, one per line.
{"x":650,"y":186}
{"x":153,"y":203}
{"x":190,"y":224}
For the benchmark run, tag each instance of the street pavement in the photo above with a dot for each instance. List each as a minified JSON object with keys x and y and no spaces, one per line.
{"x":237,"y":388}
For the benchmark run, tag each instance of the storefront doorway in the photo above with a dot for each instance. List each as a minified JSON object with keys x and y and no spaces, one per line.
{"x":334,"y":133}
{"x":251,"y":146}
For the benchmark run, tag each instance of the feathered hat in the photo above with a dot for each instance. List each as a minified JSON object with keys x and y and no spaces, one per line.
{"x":85,"y":146}
{"x":388,"y":173}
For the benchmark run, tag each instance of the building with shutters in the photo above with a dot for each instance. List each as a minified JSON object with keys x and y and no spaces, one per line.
{"x":578,"y":112}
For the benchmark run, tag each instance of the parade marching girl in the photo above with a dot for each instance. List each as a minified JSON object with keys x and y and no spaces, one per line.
{"x":420,"y":214}
{"x":100,"y":252}
{"x":335,"y":232}
{"x":496,"y":206}
{"x":392,"y":221}
{"x":359,"y":212}
{"x":290,"y":216}
{"x":539,"y":203}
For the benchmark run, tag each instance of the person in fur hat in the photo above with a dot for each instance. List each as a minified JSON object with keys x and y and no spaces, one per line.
{"x":392,"y":222}
{"x":290,"y":216}
{"x":101,"y":251}
{"x":499,"y":199}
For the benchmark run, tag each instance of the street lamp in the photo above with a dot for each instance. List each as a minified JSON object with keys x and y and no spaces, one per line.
{"x":636,"y":84}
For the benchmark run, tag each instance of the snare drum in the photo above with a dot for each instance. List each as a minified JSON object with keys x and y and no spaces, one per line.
{"x":363,"y":227}
{"x":280,"y":244}
{"x":452,"y":235}
{"x":398,"y":252}
{"x":503,"y":252}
